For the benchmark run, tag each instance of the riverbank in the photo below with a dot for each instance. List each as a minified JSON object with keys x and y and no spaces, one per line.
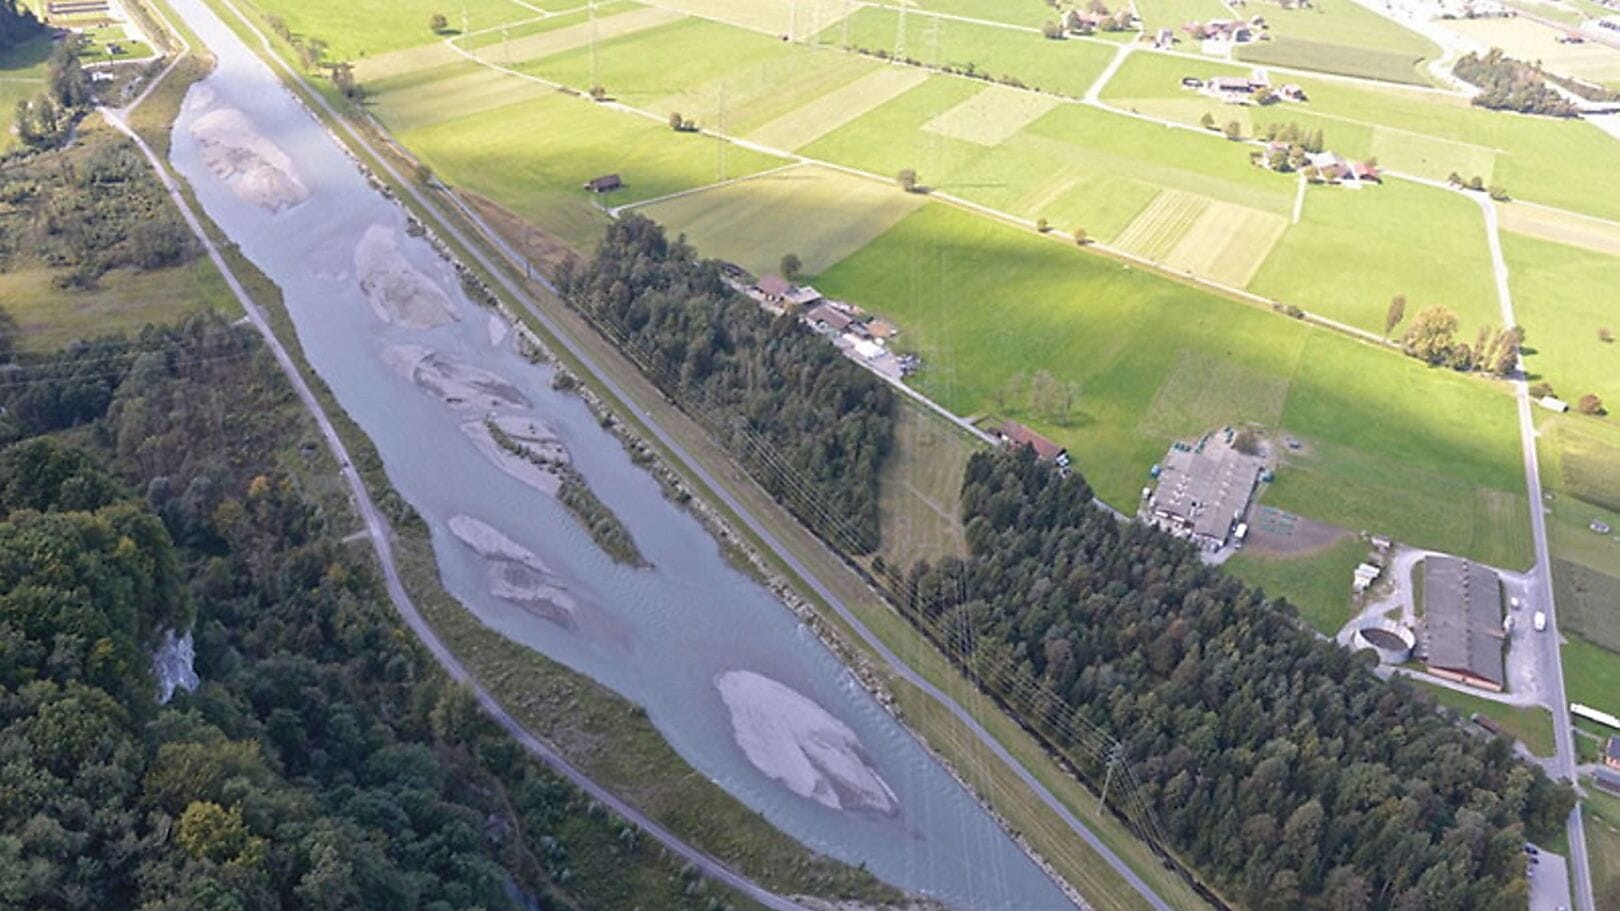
{"x":630,"y":755}
{"x":1029,"y":815}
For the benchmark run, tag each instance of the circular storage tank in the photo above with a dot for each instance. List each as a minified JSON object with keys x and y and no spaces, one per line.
{"x":1391,"y":641}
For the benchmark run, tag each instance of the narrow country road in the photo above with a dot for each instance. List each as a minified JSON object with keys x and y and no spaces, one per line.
{"x":378,"y":530}
{"x":689,"y":464}
{"x":1541,"y":588}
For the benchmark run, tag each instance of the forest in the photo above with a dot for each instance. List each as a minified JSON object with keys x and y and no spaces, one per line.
{"x":170,"y":482}
{"x":17,"y":25}
{"x":1275,"y":763}
{"x":1511,"y":85}
{"x":807,"y":423}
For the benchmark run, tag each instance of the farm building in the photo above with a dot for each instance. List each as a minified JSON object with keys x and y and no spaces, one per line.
{"x":801,"y":296}
{"x":1611,"y":752}
{"x":1462,"y":603}
{"x":1204,"y":489}
{"x":1013,"y":433}
{"x":1366,"y":574}
{"x":827,"y":318}
{"x":1607,"y":779}
{"x":604,"y":184}
{"x":78,"y":8}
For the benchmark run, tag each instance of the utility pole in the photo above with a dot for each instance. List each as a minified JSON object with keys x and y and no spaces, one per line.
{"x":720,"y":137}
{"x":464,"y":28}
{"x":593,"y":44}
{"x":1113,"y":761}
{"x":900,"y":36}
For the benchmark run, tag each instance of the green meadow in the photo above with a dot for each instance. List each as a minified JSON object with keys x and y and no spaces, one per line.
{"x":1317,"y":584}
{"x":533,"y":157}
{"x":355,"y":29}
{"x":1355,"y":249}
{"x":1074,"y":165}
{"x":1563,"y":296}
{"x":1392,"y":447}
{"x":1031,"y":13}
{"x":1067,"y":67}
{"x":23,"y":72}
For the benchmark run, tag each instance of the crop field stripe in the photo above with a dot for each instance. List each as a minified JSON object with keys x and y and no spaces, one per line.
{"x":398,"y":63}
{"x":797,"y":129}
{"x":820,"y":214}
{"x":1561,"y":226}
{"x":557,"y":41}
{"x":802,"y":18}
{"x":1228,"y":243}
{"x":993,"y":116}
{"x":473,"y":90}
{"x":1156,"y":231}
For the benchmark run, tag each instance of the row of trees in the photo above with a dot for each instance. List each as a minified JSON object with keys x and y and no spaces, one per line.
{"x":809,"y":423}
{"x":1431,"y":337}
{"x":1506,"y":84}
{"x":1278,"y":765}
{"x":325,"y":762}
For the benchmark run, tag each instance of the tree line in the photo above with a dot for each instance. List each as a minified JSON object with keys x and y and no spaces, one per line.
{"x":324,"y":762}
{"x":46,"y":120}
{"x":1285,"y":772}
{"x":808,"y":423}
{"x":18,"y":25}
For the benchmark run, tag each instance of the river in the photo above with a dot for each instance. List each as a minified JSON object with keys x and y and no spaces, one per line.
{"x":732,"y":679}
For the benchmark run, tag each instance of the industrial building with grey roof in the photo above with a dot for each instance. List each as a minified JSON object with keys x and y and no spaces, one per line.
{"x":1462,"y":621}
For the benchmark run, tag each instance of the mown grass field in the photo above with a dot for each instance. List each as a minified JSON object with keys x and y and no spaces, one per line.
{"x":1425,"y":456}
{"x":1031,"y":13}
{"x":1317,"y":584}
{"x":833,"y":215}
{"x":1067,"y":67}
{"x":1343,"y":37}
{"x":1532,"y":727}
{"x":1591,"y":674}
{"x":1540,"y":159}
{"x":1563,"y":296}
{"x":533,"y":156}
{"x":1355,"y":249}
{"x":1077,"y":166}
{"x":355,"y":29}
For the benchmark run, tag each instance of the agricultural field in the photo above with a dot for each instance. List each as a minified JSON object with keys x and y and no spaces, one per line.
{"x":1342,"y":37}
{"x":356,"y":29}
{"x":1544,"y":160}
{"x":1426,"y":456}
{"x":1028,"y":13}
{"x":1526,"y":39}
{"x":1193,"y":234}
{"x":534,"y":155}
{"x":1560,"y":226}
{"x":1317,"y":584}
{"x":834,"y":215}
{"x":1565,"y":296}
{"x":1075,"y":165}
{"x":1355,"y":249}
{"x":1067,"y":67}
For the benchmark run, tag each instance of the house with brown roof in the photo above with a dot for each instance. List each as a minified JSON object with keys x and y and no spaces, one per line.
{"x":1014,"y":434}
{"x":826,"y":318}
{"x":604,"y":184}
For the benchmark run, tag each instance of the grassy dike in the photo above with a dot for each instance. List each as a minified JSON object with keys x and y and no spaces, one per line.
{"x":1024,"y":813}
{"x":605,"y":735}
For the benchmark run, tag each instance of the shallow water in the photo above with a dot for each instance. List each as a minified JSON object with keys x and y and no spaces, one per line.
{"x":659,"y":636}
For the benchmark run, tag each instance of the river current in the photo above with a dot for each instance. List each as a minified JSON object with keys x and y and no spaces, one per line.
{"x":731,"y":678}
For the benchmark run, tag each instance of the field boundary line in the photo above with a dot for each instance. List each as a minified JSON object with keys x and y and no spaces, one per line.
{"x":616,"y":211}
{"x":1299,"y":200}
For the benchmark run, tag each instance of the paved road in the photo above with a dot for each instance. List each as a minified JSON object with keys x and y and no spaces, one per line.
{"x":1540,"y":587}
{"x":521,"y":295}
{"x":378,"y":530}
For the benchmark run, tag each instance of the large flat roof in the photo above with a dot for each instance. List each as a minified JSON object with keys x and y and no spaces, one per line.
{"x":1462,"y":613}
{"x":1207,"y":484}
